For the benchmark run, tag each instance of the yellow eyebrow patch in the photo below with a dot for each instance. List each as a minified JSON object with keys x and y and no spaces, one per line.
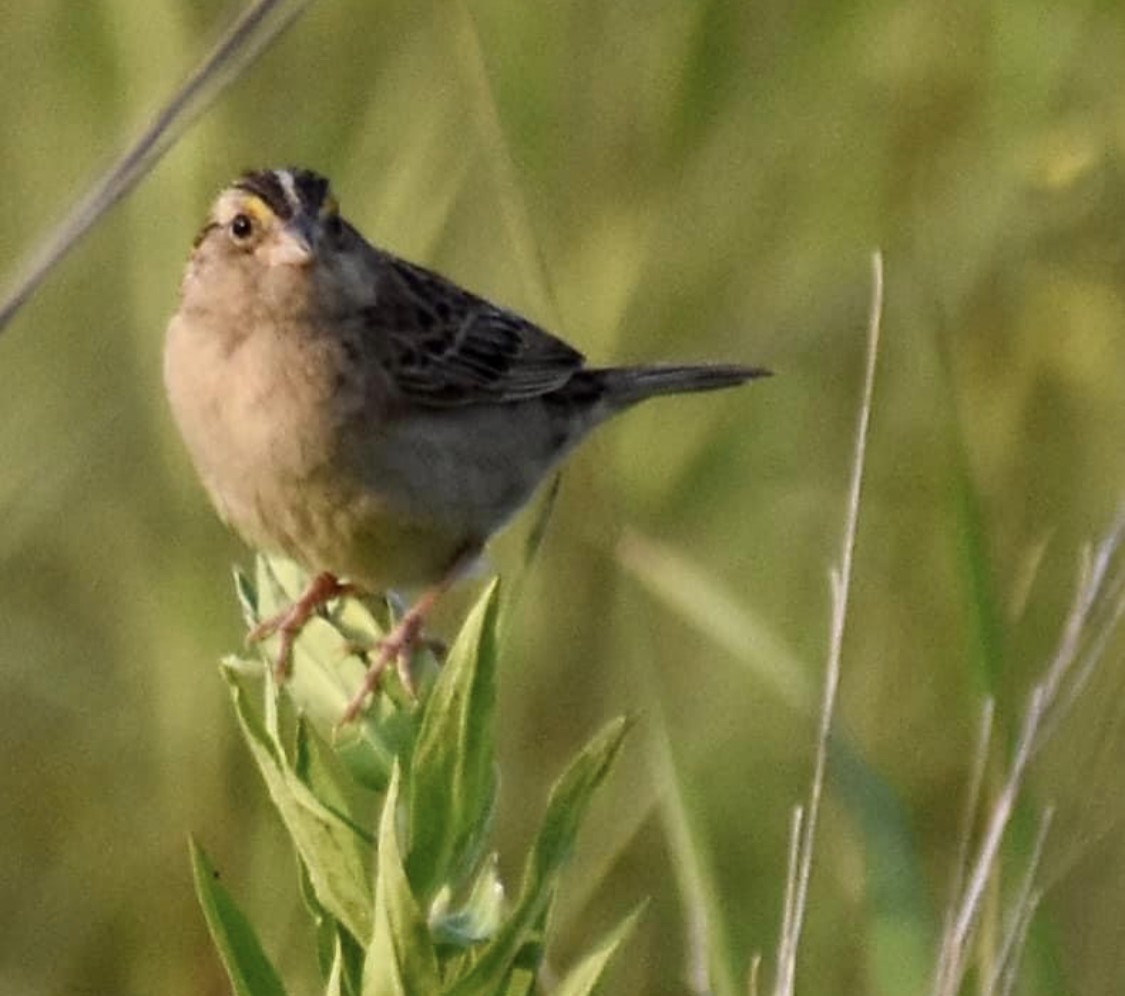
{"x":236,"y":201}
{"x":257,"y":208}
{"x":329,"y":207}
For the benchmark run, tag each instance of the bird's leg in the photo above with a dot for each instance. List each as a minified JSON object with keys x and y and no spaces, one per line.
{"x":425,"y":641}
{"x":396,"y":646}
{"x":401,"y":640}
{"x":288,"y":623}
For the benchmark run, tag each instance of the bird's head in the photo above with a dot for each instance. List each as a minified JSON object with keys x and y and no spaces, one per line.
{"x":270,"y":236}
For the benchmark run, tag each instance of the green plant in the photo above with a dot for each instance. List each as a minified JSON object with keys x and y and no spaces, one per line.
{"x":390,"y":816}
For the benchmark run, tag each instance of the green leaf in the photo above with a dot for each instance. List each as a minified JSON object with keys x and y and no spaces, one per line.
{"x":247,"y":592}
{"x":522,"y":983}
{"x":584,"y":978}
{"x":336,"y":985}
{"x":339,"y":955}
{"x":325,"y":924}
{"x":247,"y":966}
{"x":320,"y":768}
{"x":452,"y":785}
{"x":691,"y":865}
{"x":335,"y":854}
{"x":566,"y":807}
{"x":401,"y":960}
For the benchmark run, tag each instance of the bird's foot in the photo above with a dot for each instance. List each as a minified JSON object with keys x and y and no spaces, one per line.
{"x":289,"y":622}
{"x":398,"y":646}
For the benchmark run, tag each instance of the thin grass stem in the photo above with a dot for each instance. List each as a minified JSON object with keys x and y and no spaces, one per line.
{"x":1020,"y":915}
{"x":965,"y":834}
{"x":246,"y":39}
{"x":1092,"y":619}
{"x":841,"y":584}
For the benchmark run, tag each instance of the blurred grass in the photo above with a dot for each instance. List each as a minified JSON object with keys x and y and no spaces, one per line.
{"x":673,"y":180}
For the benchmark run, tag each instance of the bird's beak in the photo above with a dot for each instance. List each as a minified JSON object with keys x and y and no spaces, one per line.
{"x":297,"y":245}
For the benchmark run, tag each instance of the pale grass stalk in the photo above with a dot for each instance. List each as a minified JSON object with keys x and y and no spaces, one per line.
{"x":841,"y":575}
{"x":1022,"y":925}
{"x":967,"y":910}
{"x":789,"y":909}
{"x":699,"y":952}
{"x":1019,"y":918}
{"x":246,"y":39}
{"x":1097,"y":608}
{"x":1095,"y":648}
{"x":965,"y":834}
{"x":1092,"y":576}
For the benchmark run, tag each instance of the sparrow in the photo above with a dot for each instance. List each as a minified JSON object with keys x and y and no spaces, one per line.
{"x":363,"y":415}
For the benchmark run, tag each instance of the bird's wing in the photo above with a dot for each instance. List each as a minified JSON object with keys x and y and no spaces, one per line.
{"x":444,"y":347}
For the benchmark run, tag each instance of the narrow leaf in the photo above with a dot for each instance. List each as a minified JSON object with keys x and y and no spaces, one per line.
{"x":327,"y":935}
{"x":320,"y":768}
{"x":584,"y":978}
{"x":338,"y":952}
{"x":335,"y":986}
{"x":401,"y":960}
{"x":335,"y":855}
{"x":566,"y":807}
{"x":247,"y":592}
{"x":709,"y":954}
{"x":247,"y":966}
{"x":452,"y":773}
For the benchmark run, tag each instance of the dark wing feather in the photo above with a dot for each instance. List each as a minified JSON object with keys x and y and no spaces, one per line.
{"x":444,"y":347}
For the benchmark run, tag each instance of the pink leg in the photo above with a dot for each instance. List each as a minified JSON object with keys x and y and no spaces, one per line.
{"x":400,"y":641}
{"x":321,"y":589}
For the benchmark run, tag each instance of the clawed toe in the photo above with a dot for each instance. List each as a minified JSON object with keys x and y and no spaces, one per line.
{"x":398,"y":645}
{"x":288,"y":623}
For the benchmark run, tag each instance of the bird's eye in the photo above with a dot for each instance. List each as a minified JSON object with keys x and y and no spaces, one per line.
{"x":241,"y":227}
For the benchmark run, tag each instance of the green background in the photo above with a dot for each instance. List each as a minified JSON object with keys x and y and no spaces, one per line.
{"x":654,"y":180}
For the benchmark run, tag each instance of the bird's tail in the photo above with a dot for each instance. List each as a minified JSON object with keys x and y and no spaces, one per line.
{"x":625,"y":386}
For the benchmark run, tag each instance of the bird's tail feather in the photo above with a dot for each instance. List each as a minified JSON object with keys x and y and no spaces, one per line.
{"x":625,"y":386}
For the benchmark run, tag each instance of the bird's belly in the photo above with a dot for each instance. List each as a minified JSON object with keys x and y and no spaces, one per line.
{"x":465,"y":472}
{"x":270,"y":447}
{"x":383,"y":502}
{"x":326,"y":523}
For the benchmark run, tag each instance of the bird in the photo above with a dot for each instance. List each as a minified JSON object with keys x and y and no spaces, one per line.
{"x":363,"y":415}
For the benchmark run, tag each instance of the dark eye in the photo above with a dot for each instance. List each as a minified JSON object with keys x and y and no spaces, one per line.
{"x":241,"y":226}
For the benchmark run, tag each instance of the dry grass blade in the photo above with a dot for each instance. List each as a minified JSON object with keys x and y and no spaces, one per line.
{"x":1007,"y":964}
{"x":968,"y":816}
{"x":801,"y":870}
{"x":1010,"y":973}
{"x":245,"y":40}
{"x":1095,"y":611}
{"x":788,"y":912}
{"x":968,"y":909}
